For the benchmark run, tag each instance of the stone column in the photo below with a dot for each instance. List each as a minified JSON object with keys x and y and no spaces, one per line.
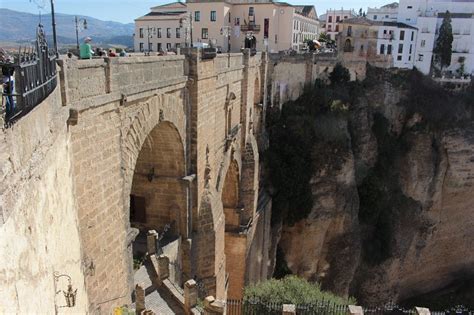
{"x":151,"y":240}
{"x":355,"y":310}
{"x":163,"y":267}
{"x":190,"y":295}
{"x":289,"y":309}
{"x":139,"y":298}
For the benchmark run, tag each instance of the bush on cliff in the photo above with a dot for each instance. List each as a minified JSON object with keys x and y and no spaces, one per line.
{"x":292,"y":290}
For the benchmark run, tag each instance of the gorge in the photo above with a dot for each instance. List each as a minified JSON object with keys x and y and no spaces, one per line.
{"x":372,"y":187}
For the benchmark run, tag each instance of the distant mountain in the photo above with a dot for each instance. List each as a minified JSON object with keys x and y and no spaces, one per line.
{"x":20,"y":27}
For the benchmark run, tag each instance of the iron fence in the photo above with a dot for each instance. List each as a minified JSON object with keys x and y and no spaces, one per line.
{"x":28,"y":79}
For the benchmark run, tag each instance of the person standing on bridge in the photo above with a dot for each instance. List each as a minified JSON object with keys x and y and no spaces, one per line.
{"x":85,"y":50}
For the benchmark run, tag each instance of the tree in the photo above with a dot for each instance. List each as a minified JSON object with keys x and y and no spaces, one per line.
{"x":360,"y":12}
{"x":339,"y":75}
{"x":444,"y":42}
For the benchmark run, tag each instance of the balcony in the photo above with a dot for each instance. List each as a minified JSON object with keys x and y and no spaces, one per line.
{"x":250,"y":28}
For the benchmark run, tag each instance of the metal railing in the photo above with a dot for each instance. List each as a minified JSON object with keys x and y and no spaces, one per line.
{"x":28,"y":80}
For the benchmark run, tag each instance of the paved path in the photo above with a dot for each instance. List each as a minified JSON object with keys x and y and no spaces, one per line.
{"x":155,"y":300}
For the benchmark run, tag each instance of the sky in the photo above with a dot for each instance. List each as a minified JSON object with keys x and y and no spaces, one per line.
{"x":125,"y":11}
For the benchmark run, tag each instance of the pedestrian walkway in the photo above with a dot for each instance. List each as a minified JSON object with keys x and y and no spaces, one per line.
{"x":155,"y":299}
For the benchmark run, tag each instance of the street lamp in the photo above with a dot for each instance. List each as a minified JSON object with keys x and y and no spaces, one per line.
{"x":83,"y":23}
{"x":188,"y":25}
{"x":150,"y":32}
{"x":55,"y":38}
{"x":226,"y":31}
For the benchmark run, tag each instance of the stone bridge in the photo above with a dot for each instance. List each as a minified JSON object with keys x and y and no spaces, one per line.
{"x":126,"y":145}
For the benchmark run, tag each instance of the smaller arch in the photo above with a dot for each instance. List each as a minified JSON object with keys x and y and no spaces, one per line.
{"x":230,"y":196}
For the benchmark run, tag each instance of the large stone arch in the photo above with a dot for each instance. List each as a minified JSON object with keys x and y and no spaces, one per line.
{"x":153,"y":165}
{"x":230,"y":196}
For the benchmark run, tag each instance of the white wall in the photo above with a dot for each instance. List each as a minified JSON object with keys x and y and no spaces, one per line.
{"x":405,"y":59}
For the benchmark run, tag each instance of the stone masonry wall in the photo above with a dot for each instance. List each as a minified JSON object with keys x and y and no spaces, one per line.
{"x":38,"y":223}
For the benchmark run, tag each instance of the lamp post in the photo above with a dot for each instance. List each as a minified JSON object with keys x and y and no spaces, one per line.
{"x":55,"y":39}
{"x":84,"y":25}
{"x":150,"y":31}
{"x":190,"y":26}
{"x":225,"y":31}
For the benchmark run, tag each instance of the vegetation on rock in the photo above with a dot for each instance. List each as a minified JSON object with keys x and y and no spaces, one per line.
{"x":292,"y":290}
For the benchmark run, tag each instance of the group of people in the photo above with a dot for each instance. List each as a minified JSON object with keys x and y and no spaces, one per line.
{"x":8,"y":83}
{"x":86,"y":52}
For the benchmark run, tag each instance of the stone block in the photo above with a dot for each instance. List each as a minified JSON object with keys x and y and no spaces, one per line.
{"x":289,"y":309}
{"x":355,"y":310}
{"x":151,"y":240}
{"x":139,"y":298}
{"x":190,"y":294}
{"x":422,"y":311}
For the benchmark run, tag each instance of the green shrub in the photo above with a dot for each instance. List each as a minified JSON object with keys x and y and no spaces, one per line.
{"x":292,"y":290}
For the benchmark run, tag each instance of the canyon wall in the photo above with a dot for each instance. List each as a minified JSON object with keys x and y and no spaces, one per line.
{"x":392,"y":214}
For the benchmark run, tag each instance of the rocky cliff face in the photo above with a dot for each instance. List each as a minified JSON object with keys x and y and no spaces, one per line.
{"x":393,"y":208}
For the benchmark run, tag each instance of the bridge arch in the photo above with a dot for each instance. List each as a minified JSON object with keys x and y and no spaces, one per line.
{"x":153,"y":166}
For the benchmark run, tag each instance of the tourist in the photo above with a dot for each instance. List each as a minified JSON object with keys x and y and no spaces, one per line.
{"x":123,"y":53}
{"x":112,"y":53}
{"x":8,"y":84}
{"x":85,"y":50}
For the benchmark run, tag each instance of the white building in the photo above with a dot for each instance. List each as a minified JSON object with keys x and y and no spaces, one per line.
{"x":161,"y":29}
{"x":333,"y":20}
{"x":386,"y":13}
{"x":427,"y":16}
{"x":398,"y":40}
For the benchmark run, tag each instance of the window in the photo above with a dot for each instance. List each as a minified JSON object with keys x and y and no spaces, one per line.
{"x":197,"y":16}
{"x":266,"y":28}
{"x":385,"y":32}
{"x":213,"y":16}
{"x":251,"y":11}
{"x":399,"y":57}
{"x":411,"y":47}
{"x":349,"y":30}
{"x":178,"y":33}
{"x":423,"y":43}
{"x":140,"y":31}
{"x":330,"y":19}
{"x":400,"y":48}
{"x":237,"y":21}
{"x":361,"y":48}
{"x":204,"y":33}
{"x":409,"y":7}
{"x":338,"y":18}
{"x":329,"y":27}
{"x":409,"y":58}
{"x":386,"y":16}
{"x":345,"y":17}
{"x":159,"y":33}
{"x":337,"y":28}
{"x":412,"y":35}
{"x":402,"y":35}
{"x":178,"y":45}
{"x":150,"y":46}
{"x":158,"y":47}
{"x":382,"y":49}
{"x":168,"y":32}
{"x":375,"y":17}
{"x":168,"y":46}
{"x":229,"y":18}
{"x":389,"y":49}
{"x":276,"y":39}
{"x":141,"y":46}
{"x":420,"y":57}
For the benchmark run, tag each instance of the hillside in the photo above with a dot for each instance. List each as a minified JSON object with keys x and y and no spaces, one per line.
{"x":20,"y":27}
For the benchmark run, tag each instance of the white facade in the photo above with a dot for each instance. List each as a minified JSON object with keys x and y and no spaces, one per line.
{"x":427,"y":16}
{"x":334,"y":19}
{"x":386,"y":13}
{"x":399,"y":41}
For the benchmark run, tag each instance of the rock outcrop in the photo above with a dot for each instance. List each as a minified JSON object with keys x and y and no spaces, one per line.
{"x":393,"y":211}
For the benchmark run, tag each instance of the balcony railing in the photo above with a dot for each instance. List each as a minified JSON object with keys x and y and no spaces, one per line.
{"x":250,"y":28}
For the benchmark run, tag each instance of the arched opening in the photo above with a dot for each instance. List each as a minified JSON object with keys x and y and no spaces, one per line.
{"x":158,"y":195}
{"x":348,"y":46}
